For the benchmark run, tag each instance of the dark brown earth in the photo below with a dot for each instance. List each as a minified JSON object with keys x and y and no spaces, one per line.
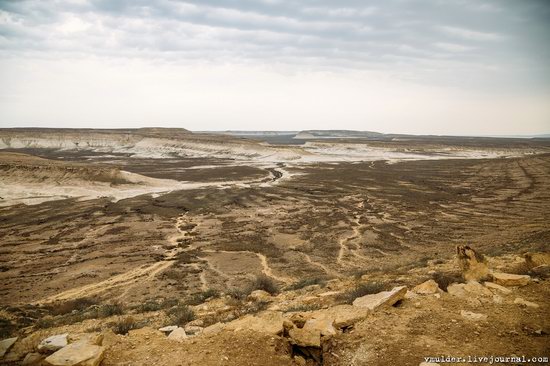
{"x":330,"y":220}
{"x":386,"y":221}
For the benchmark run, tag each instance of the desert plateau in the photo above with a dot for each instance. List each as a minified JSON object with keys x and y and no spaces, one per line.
{"x":328,"y":250}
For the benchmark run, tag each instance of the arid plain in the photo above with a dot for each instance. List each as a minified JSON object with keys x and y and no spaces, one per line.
{"x":90,"y":218}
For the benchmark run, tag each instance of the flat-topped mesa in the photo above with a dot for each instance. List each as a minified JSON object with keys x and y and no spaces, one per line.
{"x":147,"y":142}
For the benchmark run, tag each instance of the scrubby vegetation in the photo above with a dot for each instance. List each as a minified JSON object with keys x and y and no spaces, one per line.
{"x":181,"y":314}
{"x":155,"y":305}
{"x":265,"y":283}
{"x":80,"y":310}
{"x":307,"y":282}
{"x":126,"y":325}
{"x":201,"y":297}
{"x":72,"y":305}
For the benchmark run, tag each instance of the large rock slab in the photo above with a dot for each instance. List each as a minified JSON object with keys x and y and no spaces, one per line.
{"x":305,"y":337}
{"x":91,"y":338}
{"x":477,"y":289}
{"x":323,"y":325}
{"x":508,"y":279}
{"x":343,"y":316}
{"x":537,"y":259}
{"x":471,"y":289}
{"x":381,"y":299}
{"x":5,"y":345}
{"x":77,"y":354}
{"x":270,"y":322}
{"x":320,"y":324}
{"x":53,"y":343}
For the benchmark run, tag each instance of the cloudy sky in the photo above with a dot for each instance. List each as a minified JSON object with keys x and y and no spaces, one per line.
{"x":474,"y":67}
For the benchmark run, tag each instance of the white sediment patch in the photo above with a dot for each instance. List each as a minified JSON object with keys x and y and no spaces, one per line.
{"x":31,"y":189}
{"x":350,"y":152}
{"x":312,"y":151}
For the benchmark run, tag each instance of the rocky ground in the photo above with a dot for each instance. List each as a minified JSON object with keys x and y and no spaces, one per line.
{"x":314,"y":235}
{"x":335,"y":322}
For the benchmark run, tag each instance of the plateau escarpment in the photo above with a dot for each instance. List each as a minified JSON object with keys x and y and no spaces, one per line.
{"x":31,"y":180}
{"x":158,"y":143}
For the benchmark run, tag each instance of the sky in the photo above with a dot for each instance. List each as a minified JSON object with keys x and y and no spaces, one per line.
{"x":452,"y":67}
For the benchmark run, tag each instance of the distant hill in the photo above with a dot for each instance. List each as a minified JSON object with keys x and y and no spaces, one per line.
{"x":312,"y":134}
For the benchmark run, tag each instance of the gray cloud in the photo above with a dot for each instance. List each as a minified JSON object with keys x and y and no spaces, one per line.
{"x":503,"y":43}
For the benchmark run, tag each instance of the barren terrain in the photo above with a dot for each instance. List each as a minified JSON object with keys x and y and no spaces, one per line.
{"x":131,"y":217}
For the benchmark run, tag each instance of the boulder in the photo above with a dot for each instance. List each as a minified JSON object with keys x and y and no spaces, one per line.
{"x":472,"y":289}
{"x":427,"y":288}
{"x":5,"y":345}
{"x":177,"y":334}
{"x":197,"y":322}
{"x":305,"y":337}
{"x":477,"y":289}
{"x":78,"y":353}
{"x":193,"y":329}
{"x":53,"y":343}
{"x":498,"y":288}
{"x":381,"y":299}
{"x":507,"y":279}
{"x":169,"y":328}
{"x":522,"y":302}
{"x":90,"y":338}
{"x":537,"y":259}
{"x":428,"y":364}
{"x":468,"y":315}
{"x":344,"y":316}
{"x":472,"y":263}
{"x":457,"y":289}
{"x":270,"y":322}
{"x":260,"y":295}
{"x":32,"y":358}
{"x":109,"y":338}
{"x":323,"y":325}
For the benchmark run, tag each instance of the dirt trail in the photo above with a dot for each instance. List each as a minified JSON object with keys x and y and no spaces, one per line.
{"x":269,"y":272}
{"x":129,"y":278}
{"x":266,"y":269}
{"x":123,"y":279}
{"x":345,"y":242}
{"x":320,"y":265}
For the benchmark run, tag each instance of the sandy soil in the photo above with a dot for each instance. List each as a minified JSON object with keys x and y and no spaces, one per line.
{"x":194,"y":223}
